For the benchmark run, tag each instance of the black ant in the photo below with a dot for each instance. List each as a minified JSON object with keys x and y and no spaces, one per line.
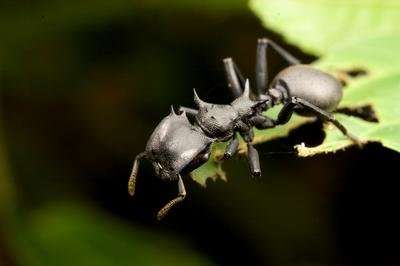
{"x":178,"y":146}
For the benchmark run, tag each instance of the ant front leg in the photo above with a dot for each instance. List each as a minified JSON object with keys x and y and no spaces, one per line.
{"x":135,"y":169}
{"x":181,"y":196}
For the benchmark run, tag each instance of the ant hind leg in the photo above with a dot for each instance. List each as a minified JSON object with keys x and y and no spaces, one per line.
{"x":262,"y":64}
{"x":234,"y":77}
{"x":286,"y":113}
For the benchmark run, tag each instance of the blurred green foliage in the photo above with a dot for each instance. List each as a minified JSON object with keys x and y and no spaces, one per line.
{"x":76,"y":235}
{"x":6,"y":187}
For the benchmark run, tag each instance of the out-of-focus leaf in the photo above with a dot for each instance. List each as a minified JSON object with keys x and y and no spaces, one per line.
{"x":6,"y":189}
{"x":317,"y":26}
{"x":66,"y":235}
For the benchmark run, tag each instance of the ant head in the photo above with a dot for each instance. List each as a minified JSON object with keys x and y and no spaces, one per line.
{"x":246,"y":107}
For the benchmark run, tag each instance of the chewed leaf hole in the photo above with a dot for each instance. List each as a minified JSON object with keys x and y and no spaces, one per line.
{"x":366,"y":113}
{"x":345,"y":75}
{"x":356,"y":72}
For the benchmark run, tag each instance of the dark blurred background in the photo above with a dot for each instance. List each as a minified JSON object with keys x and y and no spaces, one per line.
{"x":84,"y":83}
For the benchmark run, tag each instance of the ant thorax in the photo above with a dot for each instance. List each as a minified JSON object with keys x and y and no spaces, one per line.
{"x":216,"y":121}
{"x":219,"y":120}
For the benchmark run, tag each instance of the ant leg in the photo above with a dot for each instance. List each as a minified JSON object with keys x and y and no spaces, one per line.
{"x":262,"y":122}
{"x":198,"y":161}
{"x":234,"y":77}
{"x":288,"y":109}
{"x":264,"y":42}
{"x":262,"y":64}
{"x":254,"y":160}
{"x":261,"y":67}
{"x":231,"y":149}
{"x":285,"y":113}
{"x":252,"y":154}
{"x":181,"y":196}
{"x":132,"y":178}
{"x":329,"y":117}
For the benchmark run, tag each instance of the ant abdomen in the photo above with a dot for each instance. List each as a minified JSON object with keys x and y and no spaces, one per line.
{"x":315,"y":86}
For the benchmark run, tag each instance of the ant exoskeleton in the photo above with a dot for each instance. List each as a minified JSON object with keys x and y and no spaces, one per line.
{"x":178,"y":146}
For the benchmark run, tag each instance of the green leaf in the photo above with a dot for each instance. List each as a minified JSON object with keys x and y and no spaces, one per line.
{"x":74,"y":235}
{"x":375,"y":55}
{"x":317,"y":26}
{"x":211,"y":169}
